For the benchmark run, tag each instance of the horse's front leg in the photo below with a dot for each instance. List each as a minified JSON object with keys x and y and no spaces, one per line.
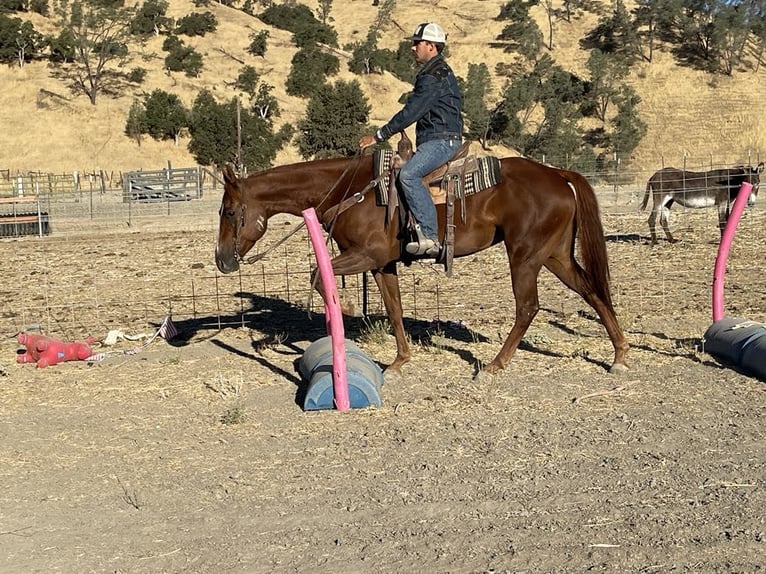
{"x":388,"y":284}
{"x":347,"y":263}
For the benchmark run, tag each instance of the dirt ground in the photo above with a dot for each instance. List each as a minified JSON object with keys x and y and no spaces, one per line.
{"x":194,"y":456}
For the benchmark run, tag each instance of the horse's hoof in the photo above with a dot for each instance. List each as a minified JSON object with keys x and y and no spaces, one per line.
{"x":487,"y":373}
{"x":392,"y":375}
{"x":618,"y":369}
{"x":484,"y":377}
{"x":350,"y":310}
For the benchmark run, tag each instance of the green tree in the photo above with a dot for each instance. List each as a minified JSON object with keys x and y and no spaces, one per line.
{"x":475,"y":88}
{"x":151,"y":19}
{"x":135,"y":126}
{"x":265,"y":104}
{"x":366,"y":57}
{"x":247,"y":80}
{"x":522,"y":35}
{"x":19,"y":41}
{"x":258,"y":43}
{"x":165,"y":116}
{"x":616,"y":34}
{"x":324,"y":10}
{"x":539,"y":113}
{"x":310,"y":68}
{"x":182,"y":58}
{"x":39,"y":7}
{"x":197,"y":24}
{"x":336,"y":117}
{"x":403,"y":65}
{"x":607,"y":70}
{"x":647,"y":18}
{"x":61,"y":48}
{"x":628,"y":128}
{"x":298,"y":19}
{"x":213,"y":129}
{"x":99,"y":33}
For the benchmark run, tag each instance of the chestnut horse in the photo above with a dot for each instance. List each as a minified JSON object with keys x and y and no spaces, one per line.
{"x":537,"y":211}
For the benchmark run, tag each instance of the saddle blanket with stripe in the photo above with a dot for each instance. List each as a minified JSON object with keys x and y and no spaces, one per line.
{"x":478,"y":174}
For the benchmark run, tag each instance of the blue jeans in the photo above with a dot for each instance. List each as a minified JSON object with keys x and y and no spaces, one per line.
{"x":427,"y":158}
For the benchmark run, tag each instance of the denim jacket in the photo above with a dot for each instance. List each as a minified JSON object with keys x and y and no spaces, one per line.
{"x":435,"y":104}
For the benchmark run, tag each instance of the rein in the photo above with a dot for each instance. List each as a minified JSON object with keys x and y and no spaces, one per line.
{"x":345,"y":203}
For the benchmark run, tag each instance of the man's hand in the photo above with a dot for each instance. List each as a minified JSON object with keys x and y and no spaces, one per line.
{"x":367,"y":141}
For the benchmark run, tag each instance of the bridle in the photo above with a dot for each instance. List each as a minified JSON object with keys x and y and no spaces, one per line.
{"x":345,"y":203}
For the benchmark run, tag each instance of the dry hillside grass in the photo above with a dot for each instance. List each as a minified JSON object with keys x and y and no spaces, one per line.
{"x":687,"y":116}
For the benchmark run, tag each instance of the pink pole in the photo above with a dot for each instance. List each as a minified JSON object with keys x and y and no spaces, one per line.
{"x":723,"y":249}
{"x":333,"y":315}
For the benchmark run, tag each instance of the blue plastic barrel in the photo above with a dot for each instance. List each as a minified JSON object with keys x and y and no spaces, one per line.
{"x":738,"y":342}
{"x":364,"y":377}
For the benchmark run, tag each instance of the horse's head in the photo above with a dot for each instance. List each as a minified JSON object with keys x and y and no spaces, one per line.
{"x":240,"y":224}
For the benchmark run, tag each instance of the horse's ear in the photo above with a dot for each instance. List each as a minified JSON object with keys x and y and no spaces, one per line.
{"x":404,"y":147}
{"x":760,"y":167}
{"x":231,"y":182}
{"x":229,"y":177}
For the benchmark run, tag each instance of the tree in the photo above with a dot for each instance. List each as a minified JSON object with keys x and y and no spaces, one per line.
{"x":310,"y":67}
{"x":324,"y":10}
{"x":182,"y":58}
{"x":135,"y":126}
{"x":646,"y":20}
{"x":522,"y":35}
{"x":629,"y":128}
{"x":165,"y":116}
{"x":19,"y":41}
{"x":606,"y":72}
{"x":539,"y":113}
{"x":247,"y":80}
{"x":213,"y":128}
{"x":265,"y":104}
{"x":258,"y":43}
{"x":298,"y":19}
{"x":151,"y":19}
{"x":99,"y":33}
{"x":336,"y":117}
{"x":475,"y":88}
{"x":197,"y":24}
{"x":61,"y":48}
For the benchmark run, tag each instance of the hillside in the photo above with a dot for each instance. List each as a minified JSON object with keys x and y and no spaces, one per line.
{"x":48,"y":129}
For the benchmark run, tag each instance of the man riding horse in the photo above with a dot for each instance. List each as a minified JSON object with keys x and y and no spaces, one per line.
{"x":435,"y":107}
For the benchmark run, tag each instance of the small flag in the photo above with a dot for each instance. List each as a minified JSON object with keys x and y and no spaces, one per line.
{"x":167,"y":330}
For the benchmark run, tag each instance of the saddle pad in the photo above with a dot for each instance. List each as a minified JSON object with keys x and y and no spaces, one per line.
{"x":485,"y":176}
{"x":381,"y":163}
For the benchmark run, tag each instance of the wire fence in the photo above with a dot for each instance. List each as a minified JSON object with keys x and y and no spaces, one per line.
{"x":111,"y":264}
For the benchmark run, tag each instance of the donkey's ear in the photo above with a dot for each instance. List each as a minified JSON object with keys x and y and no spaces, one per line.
{"x":760,"y":167}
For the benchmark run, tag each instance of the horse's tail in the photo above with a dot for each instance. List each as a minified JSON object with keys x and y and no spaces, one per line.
{"x":592,"y":242}
{"x":646,"y":195}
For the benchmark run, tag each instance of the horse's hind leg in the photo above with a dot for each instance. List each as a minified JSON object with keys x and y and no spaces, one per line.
{"x":524,"y":281}
{"x":572,"y":275}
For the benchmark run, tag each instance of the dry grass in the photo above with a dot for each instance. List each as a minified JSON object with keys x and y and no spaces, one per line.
{"x":686,"y":116}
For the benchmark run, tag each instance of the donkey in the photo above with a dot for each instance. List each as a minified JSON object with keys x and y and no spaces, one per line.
{"x":718,"y":187}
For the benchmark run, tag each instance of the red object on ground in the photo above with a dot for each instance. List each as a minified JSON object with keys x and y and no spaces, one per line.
{"x":46,"y":351}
